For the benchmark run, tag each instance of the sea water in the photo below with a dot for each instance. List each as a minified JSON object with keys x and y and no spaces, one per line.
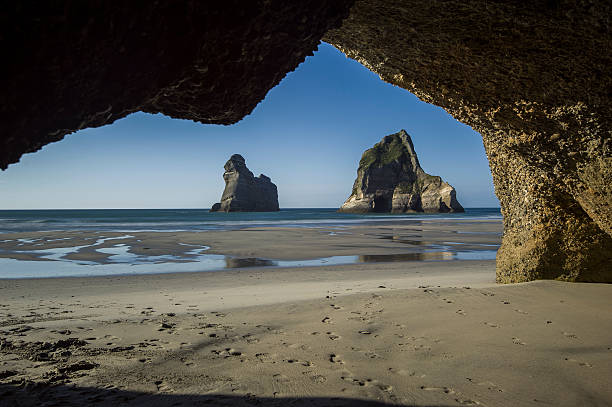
{"x":150,"y":220}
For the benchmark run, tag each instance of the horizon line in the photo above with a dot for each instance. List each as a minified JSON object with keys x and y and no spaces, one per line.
{"x":205,"y":208}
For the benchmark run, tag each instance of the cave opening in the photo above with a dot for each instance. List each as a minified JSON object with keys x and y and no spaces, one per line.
{"x":382,"y":204}
{"x":308,"y":135}
{"x":536,"y":123}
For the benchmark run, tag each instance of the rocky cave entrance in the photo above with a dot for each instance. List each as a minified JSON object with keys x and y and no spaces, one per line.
{"x":382,"y":204}
{"x":533,"y":79}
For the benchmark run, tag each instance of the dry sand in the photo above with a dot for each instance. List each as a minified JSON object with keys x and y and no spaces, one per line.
{"x":404,"y":333}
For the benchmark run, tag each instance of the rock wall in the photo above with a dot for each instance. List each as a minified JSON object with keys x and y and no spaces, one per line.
{"x":244,"y":192}
{"x":534,"y":79}
{"x":72,"y":64}
{"x":390,"y":179}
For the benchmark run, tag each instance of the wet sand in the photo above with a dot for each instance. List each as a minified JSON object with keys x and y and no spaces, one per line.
{"x":278,"y":243}
{"x":437,"y":333}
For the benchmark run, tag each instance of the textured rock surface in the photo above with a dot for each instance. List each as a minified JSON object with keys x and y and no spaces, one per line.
{"x":72,"y":64}
{"x":390,"y":179}
{"x":534,"y":79}
{"x":245,"y":192}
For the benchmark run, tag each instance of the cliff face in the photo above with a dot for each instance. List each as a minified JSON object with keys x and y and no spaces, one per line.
{"x":245,"y":192}
{"x":74,"y":64}
{"x":533,"y":78}
{"x":390,"y":179}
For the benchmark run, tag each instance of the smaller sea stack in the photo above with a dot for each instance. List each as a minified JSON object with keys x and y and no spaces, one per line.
{"x":390,"y":179}
{"x":245,"y":192}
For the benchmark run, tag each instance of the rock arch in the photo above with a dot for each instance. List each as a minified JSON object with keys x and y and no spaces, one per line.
{"x":532,"y":77}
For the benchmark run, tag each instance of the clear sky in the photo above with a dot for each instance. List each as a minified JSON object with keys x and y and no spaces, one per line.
{"x":308,"y":135}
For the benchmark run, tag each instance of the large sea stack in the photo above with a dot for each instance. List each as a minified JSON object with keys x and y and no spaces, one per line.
{"x":245,"y":192}
{"x":390,"y":179}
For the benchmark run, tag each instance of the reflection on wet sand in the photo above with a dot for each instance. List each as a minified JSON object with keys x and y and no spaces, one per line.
{"x":422,"y":256}
{"x":401,"y":239}
{"x":63,"y":254}
{"x":233,"y":263}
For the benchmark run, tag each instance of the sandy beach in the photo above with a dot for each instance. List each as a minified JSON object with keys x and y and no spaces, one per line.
{"x":423,"y":333}
{"x":314,"y":203}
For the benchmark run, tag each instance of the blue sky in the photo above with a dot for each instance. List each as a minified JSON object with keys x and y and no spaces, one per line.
{"x":308,"y":135}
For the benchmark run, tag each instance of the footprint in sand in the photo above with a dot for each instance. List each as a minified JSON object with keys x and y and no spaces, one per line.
{"x":403,"y":372}
{"x":298,"y":346}
{"x":316,"y":378}
{"x":583,"y":364}
{"x":491,"y":325}
{"x":446,"y":390}
{"x":187,"y":362}
{"x":461,"y":312}
{"x":265,"y":357}
{"x":355,"y":381}
{"x":517,"y":341}
{"x":490,"y":386}
{"x":227,"y":352}
{"x":367,"y":382}
{"x":326,"y":320}
{"x":521,"y":312}
{"x":570,"y":335}
{"x":162,"y":386}
{"x":333,"y":358}
{"x":281,"y":378}
{"x":385,"y":387}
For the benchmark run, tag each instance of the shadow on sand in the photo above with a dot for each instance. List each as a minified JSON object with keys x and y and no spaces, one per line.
{"x":33,"y":394}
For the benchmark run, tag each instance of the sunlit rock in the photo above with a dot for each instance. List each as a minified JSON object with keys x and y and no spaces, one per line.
{"x":390,"y":179}
{"x":245,"y":192}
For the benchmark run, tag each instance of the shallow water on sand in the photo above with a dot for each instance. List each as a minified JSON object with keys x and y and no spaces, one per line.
{"x":83,"y":246}
{"x":53,"y":262}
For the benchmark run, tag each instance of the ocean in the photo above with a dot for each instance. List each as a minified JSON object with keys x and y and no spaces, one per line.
{"x":167,"y":220}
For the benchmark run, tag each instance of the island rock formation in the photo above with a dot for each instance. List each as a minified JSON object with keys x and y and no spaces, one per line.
{"x":245,"y":192}
{"x":390,"y":179}
{"x":533,"y":78}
